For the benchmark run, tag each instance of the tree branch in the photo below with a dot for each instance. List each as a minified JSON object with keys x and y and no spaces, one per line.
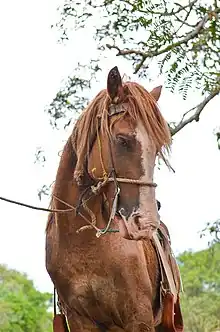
{"x":165,"y":13}
{"x":196,"y":115}
{"x":192,"y":34}
{"x":184,"y":21}
{"x":190,"y":5}
{"x":126,"y":52}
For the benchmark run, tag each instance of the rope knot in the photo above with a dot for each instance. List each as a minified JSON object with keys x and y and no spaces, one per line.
{"x":78,"y":177}
{"x":96,"y":188}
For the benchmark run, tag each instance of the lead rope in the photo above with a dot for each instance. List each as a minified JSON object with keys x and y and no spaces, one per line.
{"x":73,"y":208}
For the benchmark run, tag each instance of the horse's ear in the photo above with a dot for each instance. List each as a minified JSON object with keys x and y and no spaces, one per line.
{"x":156,"y":92}
{"x":114,"y":84}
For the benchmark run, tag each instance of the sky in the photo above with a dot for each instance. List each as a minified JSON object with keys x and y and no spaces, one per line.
{"x":32,"y":67}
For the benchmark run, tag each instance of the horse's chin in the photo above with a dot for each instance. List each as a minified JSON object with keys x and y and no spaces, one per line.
{"x":132,"y":235}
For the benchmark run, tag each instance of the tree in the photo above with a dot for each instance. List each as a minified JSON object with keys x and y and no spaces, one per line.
{"x":201,"y":280}
{"x":212,"y":228}
{"x":181,"y":38}
{"x":22,"y":307}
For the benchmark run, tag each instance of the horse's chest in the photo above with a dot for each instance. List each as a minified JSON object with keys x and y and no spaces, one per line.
{"x":96,"y":295}
{"x":99,"y":286}
{"x":94,"y":290}
{"x":104,"y":291}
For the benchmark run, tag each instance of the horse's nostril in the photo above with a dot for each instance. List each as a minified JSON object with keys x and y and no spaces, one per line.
{"x":137,"y":222}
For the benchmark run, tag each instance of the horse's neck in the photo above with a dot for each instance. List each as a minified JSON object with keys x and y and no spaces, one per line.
{"x":66,"y":190}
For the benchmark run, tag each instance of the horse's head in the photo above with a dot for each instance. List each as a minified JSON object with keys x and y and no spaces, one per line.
{"x":127,"y":132}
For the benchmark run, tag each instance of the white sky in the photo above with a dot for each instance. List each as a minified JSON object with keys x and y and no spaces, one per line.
{"x":32,"y":66}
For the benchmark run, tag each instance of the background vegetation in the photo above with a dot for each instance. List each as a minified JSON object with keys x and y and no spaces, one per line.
{"x":22,"y":307}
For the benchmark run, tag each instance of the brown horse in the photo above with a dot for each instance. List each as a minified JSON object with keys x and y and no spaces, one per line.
{"x":109,"y":282}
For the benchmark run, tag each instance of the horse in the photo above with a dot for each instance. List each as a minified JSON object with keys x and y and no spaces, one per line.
{"x":100,"y":252}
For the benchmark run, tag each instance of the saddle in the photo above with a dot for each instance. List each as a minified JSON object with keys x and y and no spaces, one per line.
{"x":169,"y":315}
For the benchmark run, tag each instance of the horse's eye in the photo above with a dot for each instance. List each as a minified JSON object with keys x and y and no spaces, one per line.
{"x":122,"y":141}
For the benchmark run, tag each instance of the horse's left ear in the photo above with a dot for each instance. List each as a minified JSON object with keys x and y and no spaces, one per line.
{"x":156,"y":92}
{"x":114,"y":85}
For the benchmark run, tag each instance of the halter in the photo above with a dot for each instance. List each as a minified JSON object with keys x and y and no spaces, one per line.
{"x":114,"y":109}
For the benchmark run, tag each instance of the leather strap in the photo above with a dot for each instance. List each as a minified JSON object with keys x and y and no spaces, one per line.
{"x":172,"y":320}
{"x":166,"y":267}
{"x":60,"y":324}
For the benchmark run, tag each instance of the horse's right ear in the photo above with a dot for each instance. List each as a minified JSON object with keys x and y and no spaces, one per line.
{"x":114,"y":85}
{"x":156,"y":92}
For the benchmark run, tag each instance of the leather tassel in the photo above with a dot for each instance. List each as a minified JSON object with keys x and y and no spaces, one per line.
{"x":60,"y":324}
{"x":172,"y":320}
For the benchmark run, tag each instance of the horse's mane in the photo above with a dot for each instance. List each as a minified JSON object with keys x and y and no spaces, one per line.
{"x":141,"y":107}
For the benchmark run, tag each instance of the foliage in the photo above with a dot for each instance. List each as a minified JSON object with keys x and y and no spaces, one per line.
{"x":213,"y":229}
{"x":22,"y":307}
{"x":201,"y":280}
{"x":201,"y":314}
{"x":71,"y":98}
{"x":201,"y":270}
{"x":182,"y":39}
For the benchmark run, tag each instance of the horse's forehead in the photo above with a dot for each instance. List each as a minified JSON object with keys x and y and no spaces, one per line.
{"x":124,"y":125}
{"x":129,"y":126}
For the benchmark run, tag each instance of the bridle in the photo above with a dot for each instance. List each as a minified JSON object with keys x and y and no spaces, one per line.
{"x":114,"y":109}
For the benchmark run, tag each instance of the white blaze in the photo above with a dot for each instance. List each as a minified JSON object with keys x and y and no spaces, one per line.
{"x":147,"y":202}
